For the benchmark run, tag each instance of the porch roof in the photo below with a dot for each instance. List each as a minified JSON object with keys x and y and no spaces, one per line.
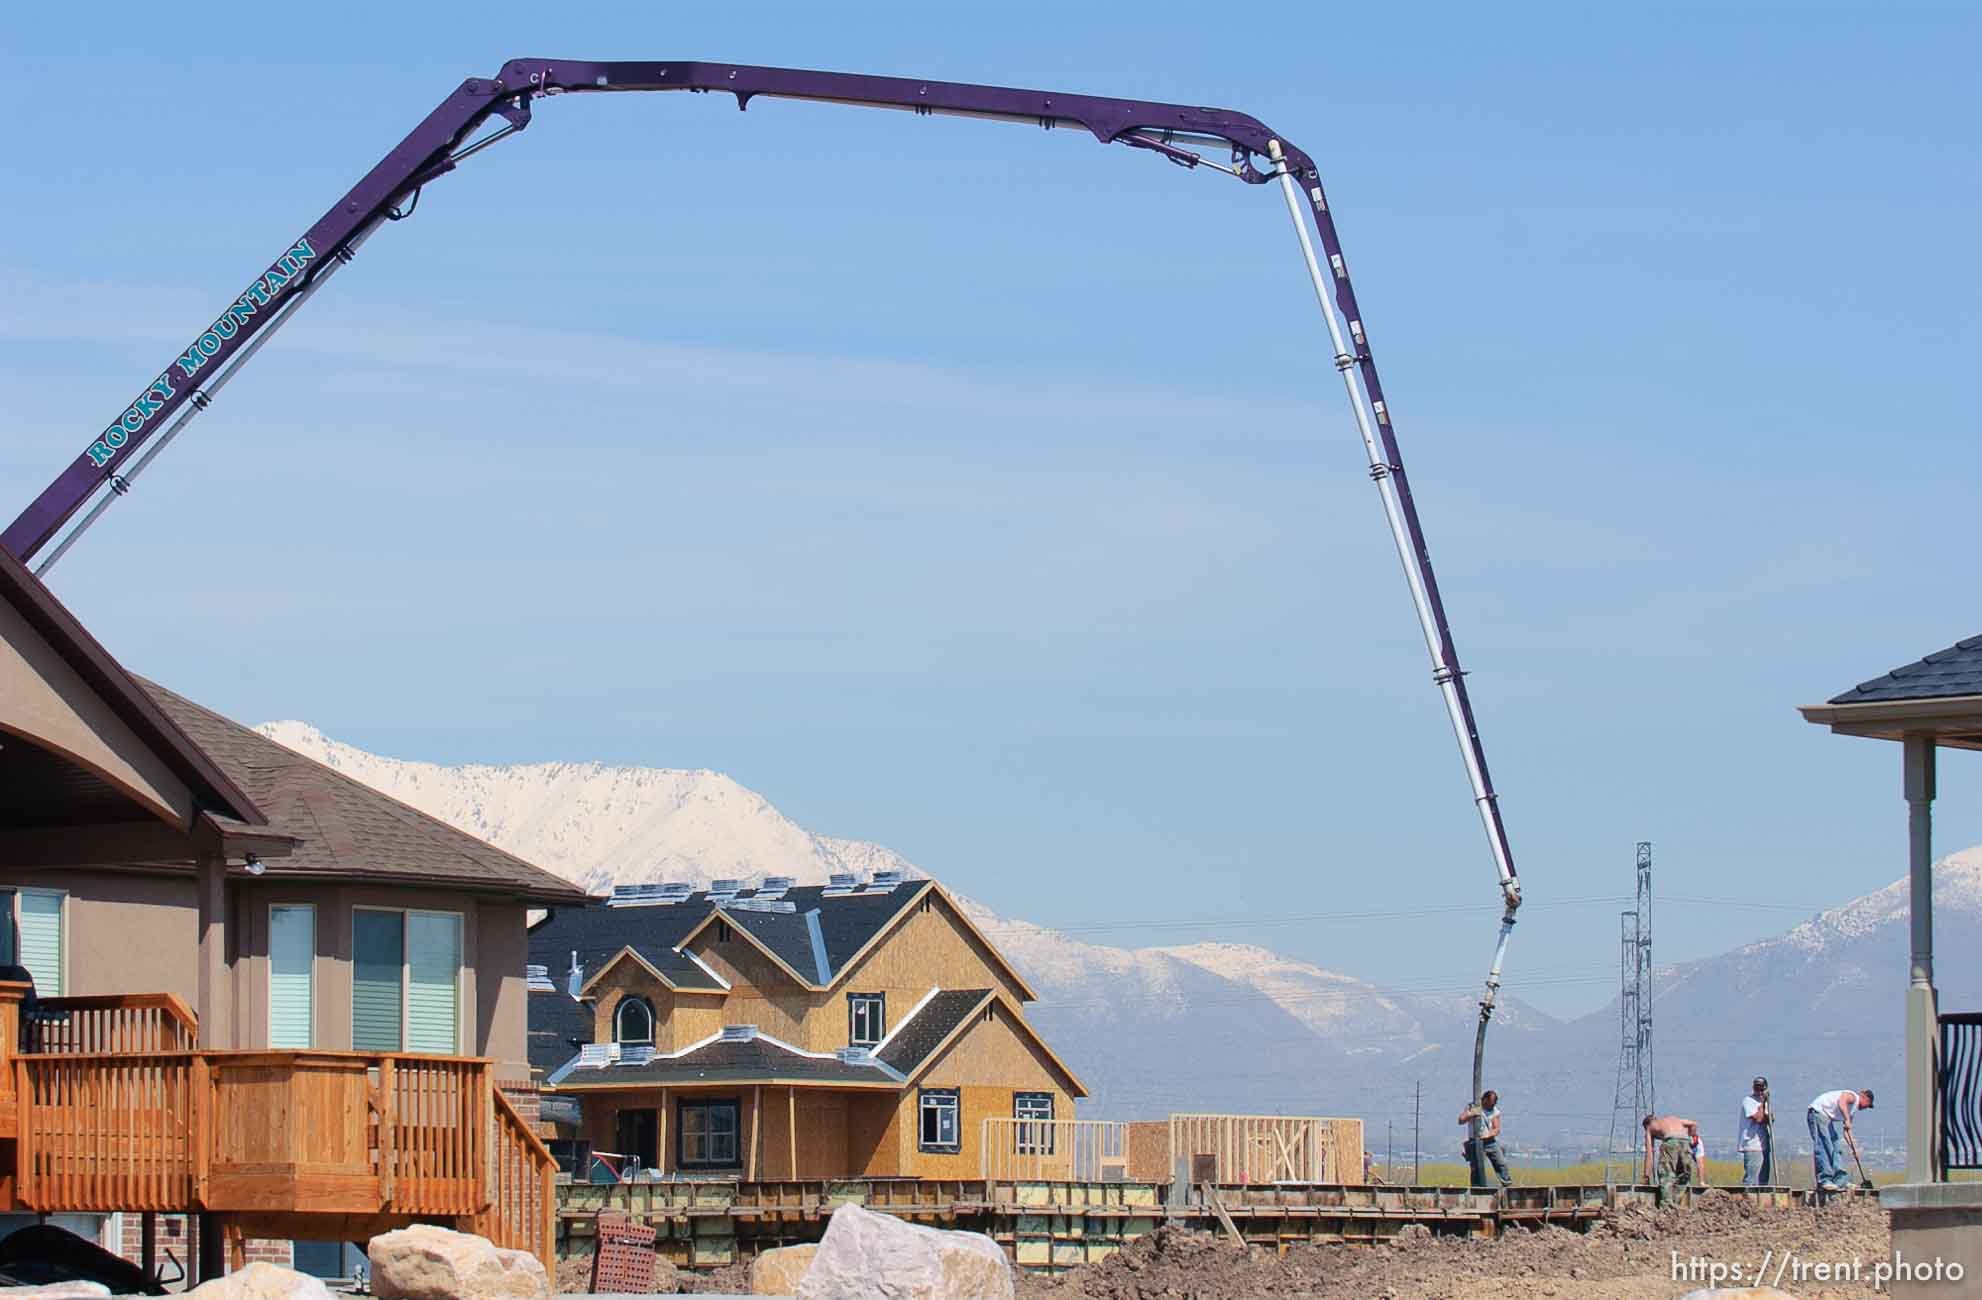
{"x":717,"y":1060}
{"x":1939,"y":695}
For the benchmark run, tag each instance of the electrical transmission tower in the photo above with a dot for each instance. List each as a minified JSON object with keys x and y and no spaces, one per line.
{"x":1636,"y":1096}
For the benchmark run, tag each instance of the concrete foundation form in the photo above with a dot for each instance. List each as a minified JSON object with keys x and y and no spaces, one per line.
{"x":1053,"y":1226}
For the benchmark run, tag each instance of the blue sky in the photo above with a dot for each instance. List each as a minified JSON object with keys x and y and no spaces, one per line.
{"x":989,"y":494}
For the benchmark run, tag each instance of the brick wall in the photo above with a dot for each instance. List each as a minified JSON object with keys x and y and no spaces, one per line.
{"x":176,"y":1235}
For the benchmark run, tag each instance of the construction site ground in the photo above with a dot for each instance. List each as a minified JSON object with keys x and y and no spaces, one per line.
{"x":1630,"y":1254}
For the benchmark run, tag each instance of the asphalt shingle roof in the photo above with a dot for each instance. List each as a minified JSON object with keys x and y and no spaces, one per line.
{"x":724,"y":1061}
{"x":1956,"y":670}
{"x":847,"y":923}
{"x":559,"y":1026}
{"x":345,"y":828}
{"x":928,"y":1027}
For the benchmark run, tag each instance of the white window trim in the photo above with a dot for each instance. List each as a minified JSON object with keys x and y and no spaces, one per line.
{"x":268,"y":1028}
{"x":406,"y":972}
{"x":62,"y":909}
{"x":634,"y":1000}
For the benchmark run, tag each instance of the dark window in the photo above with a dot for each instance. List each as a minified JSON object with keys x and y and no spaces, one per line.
{"x":1033,"y":1138}
{"x":633,"y":1021}
{"x":708,"y":1132}
{"x":722,"y":932}
{"x":941,"y":1120}
{"x":867,"y":1018}
{"x":639,"y":1136}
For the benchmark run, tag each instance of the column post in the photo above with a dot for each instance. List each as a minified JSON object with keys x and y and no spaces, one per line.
{"x":1923,"y":1161}
{"x":216,"y":1002}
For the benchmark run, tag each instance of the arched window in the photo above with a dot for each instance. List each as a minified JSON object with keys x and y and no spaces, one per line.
{"x":633,"y":1021}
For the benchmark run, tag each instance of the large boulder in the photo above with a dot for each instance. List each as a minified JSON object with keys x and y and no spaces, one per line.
{"x":428,"y":1263}
{"x":778,"y":1272}
{"x":259,"y":1281}
{"x":868,"y":1256}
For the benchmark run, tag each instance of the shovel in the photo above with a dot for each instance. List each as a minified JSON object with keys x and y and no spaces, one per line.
{"x":1864,"y":1183}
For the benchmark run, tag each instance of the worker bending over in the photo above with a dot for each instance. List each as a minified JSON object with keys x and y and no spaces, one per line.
{"x":1673,"y":1142}
{"x":1827,"y":1112}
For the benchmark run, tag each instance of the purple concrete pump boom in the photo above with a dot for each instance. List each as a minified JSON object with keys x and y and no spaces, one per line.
{"x":439,"y":143}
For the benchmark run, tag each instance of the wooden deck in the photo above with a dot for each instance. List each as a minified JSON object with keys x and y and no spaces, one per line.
{"x":112,"y":1108}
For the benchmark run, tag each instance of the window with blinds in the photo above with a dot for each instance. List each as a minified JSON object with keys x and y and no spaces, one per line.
{"x":40,"y":926}
{"x":292,"y":953}
{"x":378,"y":967}
{"x":433,"y":982}
{"x":405,"y":981}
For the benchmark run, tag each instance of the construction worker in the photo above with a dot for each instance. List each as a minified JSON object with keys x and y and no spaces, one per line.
{"x":1757,"y":1140}
{"x":1827,"y":1111}
{"x":1487,"y":1108}
{"x":1673,"y":1142}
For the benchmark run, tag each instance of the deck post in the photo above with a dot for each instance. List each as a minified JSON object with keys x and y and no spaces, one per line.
{"x":756,"y":1129}
{"x":148,"y":1243}
{"x":791,"y":1127}
{"x":1923,"y":1160}
{"x":211,"y":1250}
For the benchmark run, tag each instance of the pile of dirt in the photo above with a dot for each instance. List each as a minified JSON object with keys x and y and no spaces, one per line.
{"x":1627,"y":1256}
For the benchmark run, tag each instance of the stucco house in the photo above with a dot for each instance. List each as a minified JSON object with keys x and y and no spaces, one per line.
{"x":150,"y":847}
{"x":856,"y":1029}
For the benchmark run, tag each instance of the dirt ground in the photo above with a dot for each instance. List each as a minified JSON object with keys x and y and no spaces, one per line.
{"x":574,"y":1277}
{"x":1626,"y":1257}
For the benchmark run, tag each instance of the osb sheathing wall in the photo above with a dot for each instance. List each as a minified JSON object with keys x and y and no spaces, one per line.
{"x":679,"y":1018}
{"x":761,"y":993}
{"x":840,"y":1134}
{"x":990,"y":1048}
{"x":930,"y":949}
{"x":927,"y":949}
{"x":1149,"y":1151}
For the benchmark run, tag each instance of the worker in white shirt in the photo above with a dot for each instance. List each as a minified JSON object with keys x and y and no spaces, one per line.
{"x":1827,"y":1112}
{"x":1488,"y":1110}
{"x":1757,"y":1139}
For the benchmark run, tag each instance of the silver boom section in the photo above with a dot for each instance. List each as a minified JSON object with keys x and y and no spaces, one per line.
{"x":1444,"y":672}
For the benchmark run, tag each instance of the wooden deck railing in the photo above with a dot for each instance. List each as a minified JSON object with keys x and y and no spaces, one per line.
{"x":522,"y":1210}
{"x":116,"y":1109}
{"x":297,"y":1132}
{"x":117,"y":1022}
{"x":430,"y":1133}
{"x":108,"y":1132}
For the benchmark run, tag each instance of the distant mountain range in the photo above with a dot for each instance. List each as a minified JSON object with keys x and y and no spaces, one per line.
{"x":1236,"y":1027}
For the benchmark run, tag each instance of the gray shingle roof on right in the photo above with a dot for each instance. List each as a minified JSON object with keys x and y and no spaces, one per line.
{"x":558,"y":1028}
{"x":928,"y":1027}
{"x":1956,"y":670}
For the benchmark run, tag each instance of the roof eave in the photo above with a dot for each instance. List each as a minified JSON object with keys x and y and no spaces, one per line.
{"x":452,"y":884}
{"x":1954,"y":721}
{"x":730,"y":1080}
{"x":124,"y":692}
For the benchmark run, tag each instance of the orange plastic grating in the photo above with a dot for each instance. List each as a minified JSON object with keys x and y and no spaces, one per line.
{"x":624,"y":1259}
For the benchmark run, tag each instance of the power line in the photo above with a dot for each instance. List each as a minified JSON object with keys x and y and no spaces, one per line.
{"x":1256,"y":920}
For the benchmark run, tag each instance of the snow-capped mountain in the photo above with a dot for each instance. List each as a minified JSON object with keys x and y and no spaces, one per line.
{"x":1222,"y":1026}
{"x":599,"y":825}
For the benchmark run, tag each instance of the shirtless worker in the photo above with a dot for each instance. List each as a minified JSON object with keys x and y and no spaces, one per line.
{"x":1672,"y":1140}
